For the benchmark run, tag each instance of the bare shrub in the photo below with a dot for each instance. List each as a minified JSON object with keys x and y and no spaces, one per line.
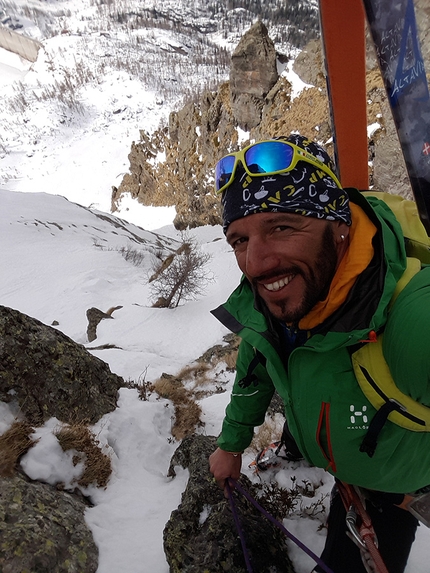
{"x":132,"y":256}
{"x":185,"y":278}
{"x":283,"y":502}
{"x":97,"y":464}
{"x":144,"y":388}
{"x":3,"y":148}
{"x":64,"y":90}
{"x":129,"y":253}
{"x":14,"y":443}
{"x":20,"y":100}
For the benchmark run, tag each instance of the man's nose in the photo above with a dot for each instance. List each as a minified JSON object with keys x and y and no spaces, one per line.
{"x":260,"y":259}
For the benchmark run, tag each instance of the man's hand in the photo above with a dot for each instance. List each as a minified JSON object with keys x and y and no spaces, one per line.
{"x":225,"y":465}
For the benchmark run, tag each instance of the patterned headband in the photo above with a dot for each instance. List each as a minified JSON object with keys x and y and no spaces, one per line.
{"x":304,"y":191}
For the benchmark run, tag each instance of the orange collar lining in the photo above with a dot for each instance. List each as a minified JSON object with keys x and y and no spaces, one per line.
{"x":358,"y":256}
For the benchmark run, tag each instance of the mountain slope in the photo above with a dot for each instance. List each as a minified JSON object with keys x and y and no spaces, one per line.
{"x":107,"y":71}
{"x":58,"y":259}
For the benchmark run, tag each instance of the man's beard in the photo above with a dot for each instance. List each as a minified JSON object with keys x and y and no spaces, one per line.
{"x":317,"y":282}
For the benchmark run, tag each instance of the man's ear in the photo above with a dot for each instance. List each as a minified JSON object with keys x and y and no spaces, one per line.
{"x":341,"y":232}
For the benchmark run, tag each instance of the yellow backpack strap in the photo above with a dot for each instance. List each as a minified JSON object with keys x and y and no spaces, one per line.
{"x":406,"y":212}
{"x":374,"y":378}
{"x":377,"y":384}
{"x":413,"y":266}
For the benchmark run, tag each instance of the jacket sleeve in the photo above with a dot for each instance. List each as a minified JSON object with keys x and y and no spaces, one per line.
{"x":249,"y":401}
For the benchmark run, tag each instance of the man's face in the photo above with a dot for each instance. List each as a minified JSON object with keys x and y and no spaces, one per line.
{"x":289,"y":259}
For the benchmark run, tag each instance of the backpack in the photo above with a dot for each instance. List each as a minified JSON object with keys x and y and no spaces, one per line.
{"x":417,"y":241}
{"x":370,"y":368}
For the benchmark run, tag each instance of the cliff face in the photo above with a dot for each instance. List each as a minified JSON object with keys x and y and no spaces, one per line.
{"x":200,"y":133}
{"x":258,"y":101}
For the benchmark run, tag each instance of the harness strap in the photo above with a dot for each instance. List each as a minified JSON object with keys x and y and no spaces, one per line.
{"x":250,"y":377}
{"x":363,"y":535}
{"x":370,"y":441}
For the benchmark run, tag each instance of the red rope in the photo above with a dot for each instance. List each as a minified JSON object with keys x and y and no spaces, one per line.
{"x":366,"y":538}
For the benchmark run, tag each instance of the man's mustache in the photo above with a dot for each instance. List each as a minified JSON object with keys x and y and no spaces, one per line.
{"x":276,"y":274}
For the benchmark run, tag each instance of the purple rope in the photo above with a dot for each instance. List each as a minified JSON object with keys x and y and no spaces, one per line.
{"x":235,"y":484}
{"x":239,"y":529}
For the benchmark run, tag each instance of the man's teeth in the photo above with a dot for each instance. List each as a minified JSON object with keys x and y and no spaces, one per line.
{"x":278,"y":284}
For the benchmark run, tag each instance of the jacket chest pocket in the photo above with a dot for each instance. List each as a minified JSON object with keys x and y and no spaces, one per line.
{"x":330,"y":407}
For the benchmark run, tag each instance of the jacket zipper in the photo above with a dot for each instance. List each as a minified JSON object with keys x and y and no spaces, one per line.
{"x":324,"y":421}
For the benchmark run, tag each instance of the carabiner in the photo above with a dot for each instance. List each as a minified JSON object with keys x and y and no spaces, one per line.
{"x":351,"y":522}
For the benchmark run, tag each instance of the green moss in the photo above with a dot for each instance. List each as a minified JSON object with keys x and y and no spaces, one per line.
{"x":50,"y":548}
{"x":41,"y":507}
{"x":81,"y":557}
{"x":43,"y":529}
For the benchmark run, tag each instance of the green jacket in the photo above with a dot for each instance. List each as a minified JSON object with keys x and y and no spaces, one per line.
{"x":327,"y":413}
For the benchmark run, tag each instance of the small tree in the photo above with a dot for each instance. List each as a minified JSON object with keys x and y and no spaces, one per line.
{"x":184,"y":278}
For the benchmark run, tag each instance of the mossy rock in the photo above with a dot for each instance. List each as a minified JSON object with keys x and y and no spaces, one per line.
{"x":42,"y":530}
{"x":50,"y":375}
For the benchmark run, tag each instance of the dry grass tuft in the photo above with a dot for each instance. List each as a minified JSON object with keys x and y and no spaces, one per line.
{"x":223,"y":353}
{"x":267,"y":433}
{"x":14,"y":443}
{"x":187,"y":412}
{"x":98,"y":466}
{"x":187,"y":419}
{"x":195,"y":382}
{"x":230,"y":359}
{"x":197,"y":373}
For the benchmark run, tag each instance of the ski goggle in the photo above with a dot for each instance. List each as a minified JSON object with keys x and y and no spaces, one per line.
{"x":271,"y":157}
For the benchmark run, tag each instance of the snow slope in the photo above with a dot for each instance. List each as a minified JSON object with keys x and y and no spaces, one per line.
{"x":58,"y":260}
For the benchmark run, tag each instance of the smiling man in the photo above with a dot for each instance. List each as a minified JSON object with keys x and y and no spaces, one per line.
{"x":320,"y":266}
{"x":288,"y":259}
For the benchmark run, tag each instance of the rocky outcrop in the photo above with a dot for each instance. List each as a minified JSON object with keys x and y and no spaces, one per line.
{"x":257,"y":100}
{"x":49,"y":375}
{"x":94,"y":316}
{"x":253,"y":74}
{"x":42,"y":529}
{"x":197,"y":136}
{"x":201,"y":534}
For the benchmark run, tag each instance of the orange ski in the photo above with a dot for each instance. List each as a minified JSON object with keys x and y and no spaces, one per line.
{"x":343,"y":35}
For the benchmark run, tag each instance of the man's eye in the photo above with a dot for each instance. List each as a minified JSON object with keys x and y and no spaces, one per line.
{"x":237,"y":243}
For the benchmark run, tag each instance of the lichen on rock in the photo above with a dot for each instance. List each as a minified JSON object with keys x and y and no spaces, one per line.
{"x":201,"y":534}
{"x":49,"y":375}
{"x":42,"y":529}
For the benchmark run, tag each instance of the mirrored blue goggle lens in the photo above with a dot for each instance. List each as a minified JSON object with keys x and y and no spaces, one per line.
{"x":265,"y":157}
{"x":269,"y":156}
{"x":223,"y":171}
